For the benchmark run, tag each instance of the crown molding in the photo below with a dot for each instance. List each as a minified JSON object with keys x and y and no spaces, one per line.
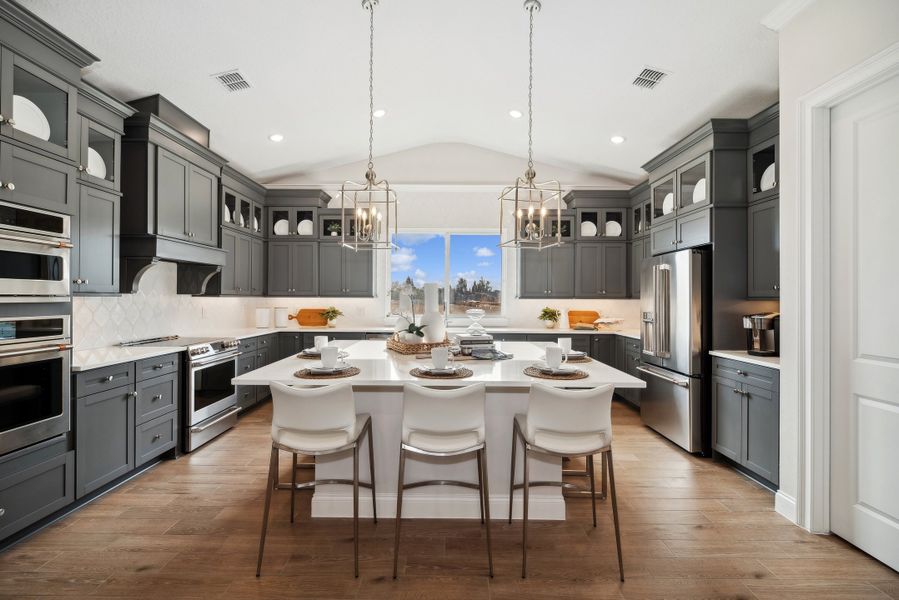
{"x":783,"y":13}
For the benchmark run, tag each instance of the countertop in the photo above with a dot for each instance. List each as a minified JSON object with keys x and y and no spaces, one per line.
{"x":380,"y":367}
{"x":85,"y":360}
{"x":772,"y":362}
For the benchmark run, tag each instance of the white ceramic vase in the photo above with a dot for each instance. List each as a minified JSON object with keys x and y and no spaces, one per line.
{"x":432,"y":320}
{"x":549,"y":324}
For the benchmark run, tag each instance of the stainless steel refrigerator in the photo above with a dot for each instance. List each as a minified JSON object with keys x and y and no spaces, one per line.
{"x":674,"y":301}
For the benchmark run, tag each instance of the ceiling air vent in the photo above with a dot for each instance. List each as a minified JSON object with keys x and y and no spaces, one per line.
{"x":649,"y":78}
{"x":232,"y":80}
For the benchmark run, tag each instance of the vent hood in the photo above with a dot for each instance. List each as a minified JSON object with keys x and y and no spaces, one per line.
{"x":197,"y":264}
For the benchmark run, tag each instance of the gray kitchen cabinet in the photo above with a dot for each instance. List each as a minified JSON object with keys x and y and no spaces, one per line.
{"x":202,"y":207}
{"x":761,"y":157}
{"x":601,"y":270}
{"x":694,"y":229}
{"x":229,"y":271}
{"x":640,"y":249}
{"x":248,"y":345}
{"x":243,"y":258}
{"x":547,"y":273}
{"x":764,"y":249}
{"x":663,"y":237}
{"x":95,"y":237}
{"x":257,"y":267}
{"x":603,"y":349}
{"x":107,"y":143}
{"x":104,"y":438}
{"x":246,"y":363}
{"x":172,"y":173}
{"x":293,"y":268}
{"x":35,"y":482}
{"x":36,"y":180}
{"x":289,"y":344}
{"x":345,"y":272}
{"x":154,"y":437}
{"x":237,"y":273}
{"x":156,"y":397}
{"x":746,"y":416}
{"x":246,"y":396}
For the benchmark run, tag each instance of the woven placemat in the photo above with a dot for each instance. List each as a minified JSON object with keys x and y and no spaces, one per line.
{"x":535,"y":372}
{"x":308,"y":374}
{"x":460,"y":373}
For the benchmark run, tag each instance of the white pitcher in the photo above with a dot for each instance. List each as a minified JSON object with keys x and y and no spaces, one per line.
{"x":436,"y":327}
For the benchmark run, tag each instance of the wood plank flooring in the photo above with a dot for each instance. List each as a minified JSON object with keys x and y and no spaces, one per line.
{"x":188,"y":529}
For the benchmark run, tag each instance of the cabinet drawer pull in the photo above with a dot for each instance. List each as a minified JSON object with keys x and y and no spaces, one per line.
{"x":739,"y":372}
{"x":158,"y":367}
{"x":9,"y":185}
{"x":157,"y":436}
{"x":108,"y":378}
{"x":156,"y":397}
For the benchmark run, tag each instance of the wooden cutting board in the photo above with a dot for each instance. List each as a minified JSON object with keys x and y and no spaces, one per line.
{"x":581,"y":316}
{"x":309,"y":317}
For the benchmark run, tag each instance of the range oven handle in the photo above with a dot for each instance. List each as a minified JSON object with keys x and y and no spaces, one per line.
{"x":215,"y":361}
{"x":51,"y":242}
{"x":42,"y":349}
{"x":221,"y":418}
{"x":654,"y":373}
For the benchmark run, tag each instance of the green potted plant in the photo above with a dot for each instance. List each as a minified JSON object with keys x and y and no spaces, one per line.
{"x":330,"y":314}
{"x":334,"y":228}
{"x":550,"y":316}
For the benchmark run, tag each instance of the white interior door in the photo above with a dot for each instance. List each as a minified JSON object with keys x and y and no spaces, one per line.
{"x":864,"y":472}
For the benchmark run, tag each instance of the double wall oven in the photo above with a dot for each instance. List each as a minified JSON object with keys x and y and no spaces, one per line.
{"x":35,"y":255}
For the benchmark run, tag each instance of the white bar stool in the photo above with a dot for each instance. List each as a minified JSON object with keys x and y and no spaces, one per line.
{"x":444,"y":423}
{"x":317,"y":422}
{"x":565,"y":423}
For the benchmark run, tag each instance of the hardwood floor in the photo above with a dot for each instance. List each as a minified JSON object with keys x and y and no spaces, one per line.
{"x":190,"y":528}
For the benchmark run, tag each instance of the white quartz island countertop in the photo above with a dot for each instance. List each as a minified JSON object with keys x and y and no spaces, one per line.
{"x":382,"y":367}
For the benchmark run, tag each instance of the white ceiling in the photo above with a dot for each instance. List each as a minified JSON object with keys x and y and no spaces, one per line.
{"x":446,"y":72}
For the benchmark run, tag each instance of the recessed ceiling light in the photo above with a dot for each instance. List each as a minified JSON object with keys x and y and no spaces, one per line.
{"x":276,"y":137}
{"x":379,"y":113}
{"x":515,"y":114}
{"x":617,"y":139}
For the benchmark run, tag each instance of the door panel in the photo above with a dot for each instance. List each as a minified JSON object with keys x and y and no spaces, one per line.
{"x":358,"y":273}
{"x":764,"y":250}
{"x":97,"y":245}
{"x":727,"y":418}
{"x":532,"y":274}
{"x":244,"y":260}
{"x":202,"y":207}
{"x":864,"y":360}
{"x":587,"y":266}
{"x":663,"y":237}
{"x":257,"y":267}
{"x":694,"y":230}
{"x":171,"y":194}
{"x":38,"y":181}
{"x":229,"y":271}
{"x":279,"y":268}
{"x":614,"y":267}
{"x":304,"y":269}
{"x":561,"y":271}
{"x":330,"y":278}
{"x":762,"y":443}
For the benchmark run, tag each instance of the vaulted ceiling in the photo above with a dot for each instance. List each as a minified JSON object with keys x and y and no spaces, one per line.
{"x":445,"y":72}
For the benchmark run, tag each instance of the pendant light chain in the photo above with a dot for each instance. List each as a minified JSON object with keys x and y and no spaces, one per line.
{"x":371,"y":86}
{"x":531,"y":92}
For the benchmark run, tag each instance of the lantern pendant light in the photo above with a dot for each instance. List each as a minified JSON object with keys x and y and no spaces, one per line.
{"x":530,"y":212}
{"x":368,"y":210}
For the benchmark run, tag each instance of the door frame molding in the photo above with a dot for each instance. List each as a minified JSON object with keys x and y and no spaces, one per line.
{"x":813,"y":493}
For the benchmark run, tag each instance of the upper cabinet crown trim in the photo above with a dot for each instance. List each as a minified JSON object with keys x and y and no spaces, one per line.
{"x":297,"y":197}
{"x":37,"y":28}
{"x":729,"y":134}
{"x":98,"y":96}
{"x":145,"y":127}
{"x":229,"y":172}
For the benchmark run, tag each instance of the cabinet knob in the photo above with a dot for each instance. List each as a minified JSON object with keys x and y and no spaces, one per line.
{"x":9,"y":185}
{"x":9,"y":121}
{"x":776,"y":287}
{"x":736,"y":391}
{"x":2,"y":511}
{"x":132,"y":394}
{"x":77,"y":281}
{"x":739,"y":372}
{"x":156,"y":398}
{"x":109,"y":378}
{"x":674,"y":243}
{"x":82,"y":168}
{"x":157,"y":436}
{"x":158,"y":367}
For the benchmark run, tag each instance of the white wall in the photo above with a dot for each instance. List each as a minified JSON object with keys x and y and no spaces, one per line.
{"x":825,"y":39}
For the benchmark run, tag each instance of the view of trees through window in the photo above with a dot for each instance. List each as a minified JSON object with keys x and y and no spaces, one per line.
{"x":468,"y":267}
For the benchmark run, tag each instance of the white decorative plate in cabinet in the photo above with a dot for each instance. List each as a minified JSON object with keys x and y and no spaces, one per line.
{"x":96,"y":166}
{"x":305,"y":227}
{"x":588,"y":229}
{"x":29,"y":118}
{"x":255,"y":224}
{"x":668,"y":203}
{"x":699,"y":191}
{"x":241,"y":221}
{"x":282,"y":227}
{"x":226,"y":214}
{"x":767,"y":182}
{"x":612,"y":229}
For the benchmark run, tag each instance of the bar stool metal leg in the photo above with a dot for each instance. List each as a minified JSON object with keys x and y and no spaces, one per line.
{"x":480,"y":487}
{"x":591,"y":469}
{"x":524,"y":529}
{"x":399,"y":510}
{"x":371,"y":469}
{"x":485,"y":495}
{"x":356,"y":510}
{"x":615,"y":514}
{"x":272,"y":477}
{"x":293,"y":487}
{"x":512,"y":471}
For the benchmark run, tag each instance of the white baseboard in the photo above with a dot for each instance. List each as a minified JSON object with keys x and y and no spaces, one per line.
{"x":785,"y":506}
{"x":544,"y":508}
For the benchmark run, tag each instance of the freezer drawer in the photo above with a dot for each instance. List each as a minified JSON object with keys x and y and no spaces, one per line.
{"x":672,"y":405}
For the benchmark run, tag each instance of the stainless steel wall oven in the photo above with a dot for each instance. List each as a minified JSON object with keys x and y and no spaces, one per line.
{"x":35,"y":254}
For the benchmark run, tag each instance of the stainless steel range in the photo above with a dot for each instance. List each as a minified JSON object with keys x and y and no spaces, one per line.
{"x":209,"y":405}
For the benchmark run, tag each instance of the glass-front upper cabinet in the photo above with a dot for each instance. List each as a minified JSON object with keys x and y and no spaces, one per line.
{"x":613,"y":223}
{"x":693,"y":189}
{"x":563,"y":224}
{"x":292,"y":221}
{"x":330,"y":226}
{"x":37,"y":107}
{"x":244,"y":218}
{"x":257,"y":219}
{"x":101,"y":152}
{"x":763,"y":170}
{"x":663,"y":205}
{"x":589,"y":224}
{"x":304,"y":221}
{"x":637,"y":220}
{"x":229,"y":207}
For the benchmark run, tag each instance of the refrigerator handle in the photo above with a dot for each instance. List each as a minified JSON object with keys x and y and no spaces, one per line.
{"x":663,"y":312}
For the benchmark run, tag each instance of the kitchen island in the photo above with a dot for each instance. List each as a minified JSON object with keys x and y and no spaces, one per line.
{"x":378,"y":391}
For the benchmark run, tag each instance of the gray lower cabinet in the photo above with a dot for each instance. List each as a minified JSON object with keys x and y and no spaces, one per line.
{"x":246,"y":396}
{"x":95,"y":237}
{"x":154,"y":437}
{"x":289,"y":343}
{"x":746,"y":416}
{"x":547,"y":273}
{"x":602,"y":348}
{"x":345,"y":272}
{"x":764,"y":249}
{"x":293,"y":269}
{"x":36,"y":180}
{"x":601,"y":270}
{"x":35,"y":482}
{"x":104,"y":438}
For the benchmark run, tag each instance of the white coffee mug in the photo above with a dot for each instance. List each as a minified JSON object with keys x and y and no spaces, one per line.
{"x":553,"y":356}
{"x":320,"y":342}
{"x":565,"y":345}
{"x":440,"y":357}
{"x":329,"y":356}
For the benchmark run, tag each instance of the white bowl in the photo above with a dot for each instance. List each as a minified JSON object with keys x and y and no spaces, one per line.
{"x":588,"y":229}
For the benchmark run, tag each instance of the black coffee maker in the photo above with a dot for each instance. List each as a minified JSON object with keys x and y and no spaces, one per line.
{"x":762,"y":334}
